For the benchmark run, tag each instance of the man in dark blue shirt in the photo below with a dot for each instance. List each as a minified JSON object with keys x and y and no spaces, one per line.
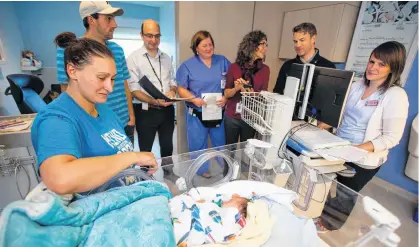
{"x":304,"y":44}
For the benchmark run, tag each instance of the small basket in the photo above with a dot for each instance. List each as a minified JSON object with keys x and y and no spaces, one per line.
{"x":258,"y":110}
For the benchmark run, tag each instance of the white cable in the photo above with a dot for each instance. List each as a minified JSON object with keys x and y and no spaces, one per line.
{"x":232,"y":171}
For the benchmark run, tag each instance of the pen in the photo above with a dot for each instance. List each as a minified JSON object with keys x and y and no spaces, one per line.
{"x":8,"y":123}
{"x":12,"y":125}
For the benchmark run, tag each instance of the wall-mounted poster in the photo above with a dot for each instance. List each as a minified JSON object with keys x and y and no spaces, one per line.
{"x":379,"y":22}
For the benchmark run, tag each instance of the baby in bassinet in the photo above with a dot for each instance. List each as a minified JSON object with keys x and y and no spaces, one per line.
{"x":201,"y":217}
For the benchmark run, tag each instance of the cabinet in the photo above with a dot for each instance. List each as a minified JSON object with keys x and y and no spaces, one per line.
{"x":334,"y":23}
{"x":227,"y":22}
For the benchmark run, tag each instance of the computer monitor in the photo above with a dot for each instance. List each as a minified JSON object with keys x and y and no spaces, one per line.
{"x":327,"y":95}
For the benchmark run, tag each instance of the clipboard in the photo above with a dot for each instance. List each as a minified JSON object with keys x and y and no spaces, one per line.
{"x":155,"y":93}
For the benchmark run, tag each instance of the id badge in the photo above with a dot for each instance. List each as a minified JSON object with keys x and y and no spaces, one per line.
{"x":190,"y":110}
{"x":223,"y":83}
{"x":223,"y":80}
{"x":144,"y":106}
{"x":371,"y":103}
{"x":239,"y":108}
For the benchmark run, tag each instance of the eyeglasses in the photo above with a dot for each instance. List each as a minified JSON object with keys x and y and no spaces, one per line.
{"x":263,"y":44}
{"x":150,"y":36}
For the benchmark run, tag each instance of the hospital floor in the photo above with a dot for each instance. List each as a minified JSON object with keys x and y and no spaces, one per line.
{"x":401,"y":203}
{"x":397,"y":200}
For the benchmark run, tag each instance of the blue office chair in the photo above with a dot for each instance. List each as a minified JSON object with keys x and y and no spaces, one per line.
{"x":25,"y":90}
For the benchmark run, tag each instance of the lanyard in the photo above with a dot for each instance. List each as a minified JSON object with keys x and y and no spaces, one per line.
{"x":161,"y":84}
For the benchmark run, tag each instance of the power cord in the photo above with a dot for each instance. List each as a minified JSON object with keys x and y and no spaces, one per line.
{"x":290,"y":134}
{"x":17,"y":169}
{"x":6,"y":168}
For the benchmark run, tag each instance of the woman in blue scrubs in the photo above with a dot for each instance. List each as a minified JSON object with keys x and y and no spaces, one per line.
{"x":205,"y":72}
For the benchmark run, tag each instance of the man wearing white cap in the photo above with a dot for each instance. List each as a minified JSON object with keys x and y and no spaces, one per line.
{"x":99,"y":20}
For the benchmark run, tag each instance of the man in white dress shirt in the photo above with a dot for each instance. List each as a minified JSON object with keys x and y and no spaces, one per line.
{"x":151,"y":115}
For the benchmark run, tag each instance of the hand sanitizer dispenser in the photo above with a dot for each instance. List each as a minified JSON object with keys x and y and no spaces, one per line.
{"x":412,"y":165}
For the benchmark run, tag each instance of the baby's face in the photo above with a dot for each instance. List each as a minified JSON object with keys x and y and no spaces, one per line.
{"x":237,"y":202}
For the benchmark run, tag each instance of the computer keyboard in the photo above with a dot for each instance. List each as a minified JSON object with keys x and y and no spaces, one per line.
{"x":315,"y":138}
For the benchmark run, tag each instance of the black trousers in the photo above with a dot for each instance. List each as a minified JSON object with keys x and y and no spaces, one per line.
{"x":337,"y":210}
{"x":235,"y":128}
{"x":152,"y":121}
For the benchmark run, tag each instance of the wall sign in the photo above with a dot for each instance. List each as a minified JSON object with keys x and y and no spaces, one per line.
{"x":379,"y":22}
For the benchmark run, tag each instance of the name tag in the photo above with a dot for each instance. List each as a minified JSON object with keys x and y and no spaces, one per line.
{"x":223,"y":80}
{"x":223,"y":83}
{"x":239,"y":108}
{"x":371,"y":103}
{"x":190,"y":110}
{"x":144,"y":106}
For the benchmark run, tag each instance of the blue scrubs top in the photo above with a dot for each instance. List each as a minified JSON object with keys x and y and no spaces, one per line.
{"x":195,"y":76}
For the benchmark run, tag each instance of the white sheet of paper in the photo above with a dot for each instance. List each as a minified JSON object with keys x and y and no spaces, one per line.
{"x":211,"y":111}
{"x":347,"y":153}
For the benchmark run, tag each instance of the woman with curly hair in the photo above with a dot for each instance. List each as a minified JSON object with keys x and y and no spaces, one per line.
{"x":247,"y":74}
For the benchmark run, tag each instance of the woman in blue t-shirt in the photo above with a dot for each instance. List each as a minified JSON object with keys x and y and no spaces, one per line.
{"x":79,"y":142}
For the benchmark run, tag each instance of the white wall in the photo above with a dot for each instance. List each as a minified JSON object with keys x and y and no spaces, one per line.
{"x":12,"y":45}
{"x":167,"y":26}
{"x":227,"y":22}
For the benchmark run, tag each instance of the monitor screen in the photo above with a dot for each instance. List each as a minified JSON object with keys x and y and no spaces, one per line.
{"x":329,"y":90}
